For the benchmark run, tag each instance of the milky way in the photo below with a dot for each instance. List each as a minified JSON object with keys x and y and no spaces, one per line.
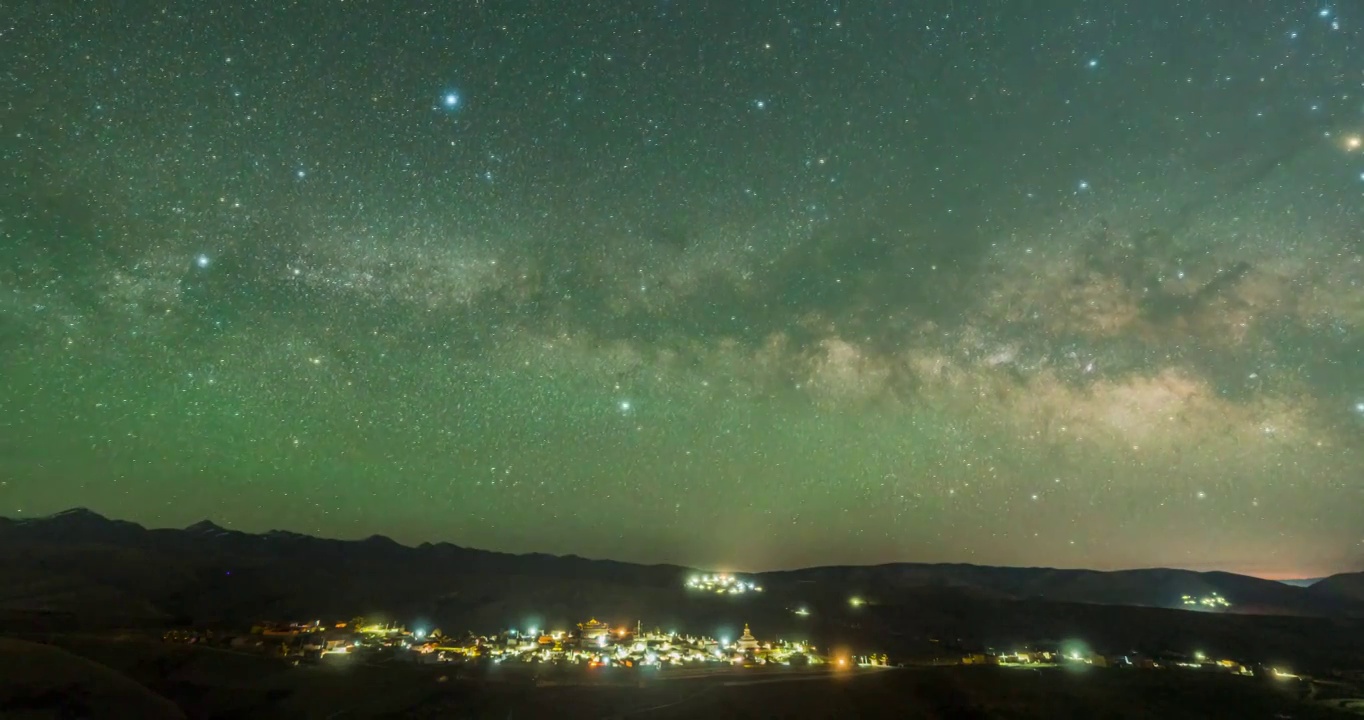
{"x":740,"y":285}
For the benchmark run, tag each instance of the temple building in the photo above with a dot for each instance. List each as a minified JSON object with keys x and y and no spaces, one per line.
{"x":592,"y":630}
{"x":747,"y":641}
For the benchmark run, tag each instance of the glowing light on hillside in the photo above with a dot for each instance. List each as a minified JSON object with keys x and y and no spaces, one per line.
{"x":1213,"y":601}
{"x":721,"y":584}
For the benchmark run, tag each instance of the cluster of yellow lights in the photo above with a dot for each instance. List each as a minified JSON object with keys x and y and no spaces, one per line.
{"x":597,"y":645}
{"x":1209,"y":601}
{"x":621,"y":648}
{"x":722,"y":584}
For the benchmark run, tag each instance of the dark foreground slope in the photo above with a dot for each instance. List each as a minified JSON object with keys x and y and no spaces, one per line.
{"x":43,"y":681}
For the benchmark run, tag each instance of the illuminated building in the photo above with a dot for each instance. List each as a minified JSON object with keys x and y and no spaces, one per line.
{"x":747,"y":641}
{"x":593,"y":631}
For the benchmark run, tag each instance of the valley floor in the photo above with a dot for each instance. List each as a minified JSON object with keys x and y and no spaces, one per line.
{"x":207,"y":683}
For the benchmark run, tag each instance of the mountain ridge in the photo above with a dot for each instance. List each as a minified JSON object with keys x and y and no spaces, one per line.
{"x":165,"y":568}
{"x":85,"y":514}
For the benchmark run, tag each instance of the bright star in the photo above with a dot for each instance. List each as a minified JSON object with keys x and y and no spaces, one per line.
{"x":1359,"y":408}
{"x":1324,"y":12}
{"x":451,"y":100}
{"x":624,"y":406}
{"x":1084,"y":184}
{"x":201,"y":261}
{"x":760,"y":104}
{"x":1094,"y":63}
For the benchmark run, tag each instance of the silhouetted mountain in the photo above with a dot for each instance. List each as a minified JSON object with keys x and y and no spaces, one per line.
{"x":1346,"y":586}
{"x":207,"y":527}
{"x":1302,"y":582}
{"x":77,"y":525}
{"x":77,"y":569}
{"x":287,"y":571}
{"x":1156,"y":587}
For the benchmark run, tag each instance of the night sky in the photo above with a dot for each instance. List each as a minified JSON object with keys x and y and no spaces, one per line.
{"x":737,"y":284}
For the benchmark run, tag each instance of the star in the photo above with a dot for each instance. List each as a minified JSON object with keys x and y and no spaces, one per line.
{"x":788,"y":291}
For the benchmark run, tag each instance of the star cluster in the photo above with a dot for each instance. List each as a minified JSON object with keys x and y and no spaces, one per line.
{"x":742,"y":284}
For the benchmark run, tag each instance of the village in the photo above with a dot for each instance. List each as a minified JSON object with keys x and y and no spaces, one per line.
{"x":597,"y":653}
{"x":592,"y":644}
{"x":595,"y":644}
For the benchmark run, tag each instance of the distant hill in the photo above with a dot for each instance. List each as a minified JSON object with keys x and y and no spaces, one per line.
{"x":1156,"y":587}
{"x":77,"y":559}
{"x":1302,"y":582}
{"x":78,"y":571}
{"x":1347,"y":586}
